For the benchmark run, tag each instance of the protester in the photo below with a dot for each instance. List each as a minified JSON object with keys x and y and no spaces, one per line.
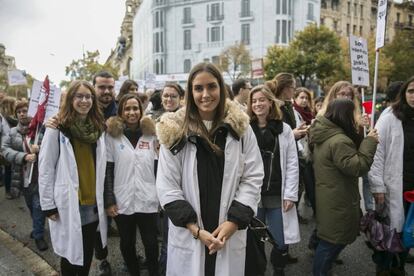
{"x":72,"y":164}
{"x":130,"y":196}
{"x":7,"y":120}
{"x":317,"y":103}
{"x":104,"y":84}
{"x":340,"y":156}
{"x":171,"y":95}
{"x":209,"y":178}
{"x":392,"y":172}
{"x":129,"y":86}
{"x":280,"y":185}
{"x":22,"y":154}
{"x":392,"y":92}
{"x":241,"y":89}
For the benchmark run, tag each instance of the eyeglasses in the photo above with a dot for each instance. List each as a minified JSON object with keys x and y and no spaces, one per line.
{"x":104,"y":87}
{"x":87,"y":97}
{"x":172,"y":97}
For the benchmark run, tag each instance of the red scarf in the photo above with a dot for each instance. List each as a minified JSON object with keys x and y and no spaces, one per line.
{"x":306,"y":114}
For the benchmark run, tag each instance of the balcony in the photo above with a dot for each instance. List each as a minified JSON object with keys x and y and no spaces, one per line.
{"x":246,"y":15}
{"x":404,"y":26}
{"x":216,"y":17}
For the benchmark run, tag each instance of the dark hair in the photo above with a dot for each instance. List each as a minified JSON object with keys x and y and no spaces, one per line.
{"x":237,"y":85}
{"x":319,"y":99}
{"x":392,"y":91}
{"x":102,"y":74}
{"x":156,"y":99}
{"x":192,"y":119}
{"x":125,"y":88}
{"x":19,"y":105}
{"x":280,"y":82}
{"x":124,"y":99}
{"x":176,"y":87}
{"x":401,"y":105}
{"x":341,"y":113}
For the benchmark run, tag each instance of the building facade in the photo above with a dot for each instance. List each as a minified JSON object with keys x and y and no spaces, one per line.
{"x":121,"y":57}
{"x":6,"y":63}
{"x":359,"y":17}
{"x":173,"y":35}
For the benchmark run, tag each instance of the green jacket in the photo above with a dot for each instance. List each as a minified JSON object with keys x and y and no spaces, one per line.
{"x":338,"y":164}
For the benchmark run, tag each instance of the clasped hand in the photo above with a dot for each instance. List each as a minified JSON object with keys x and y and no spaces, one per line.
{"x":216,"y":240}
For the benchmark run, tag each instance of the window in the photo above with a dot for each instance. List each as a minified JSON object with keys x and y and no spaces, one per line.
{"x":157,"y":67}
{"x":354,"y":29}
{"x":215,"y":60}
{"x":398,"y":17}
{"x":187,"y":65}
{"x":158,"y":19}
{"x":284,"y":32}
{"x":335,"y":25}
{"x":158,"y":42}
{"x":360,"y":30}
{"x":215,"y":34}
{"x":348,"y":29}
{"x":187,"y":15}
{"x":284,"y":6}
{"x":245,"y":34}
{"x":278,"y":6}
{"x":245,"y":8}
{"x":214,"y":12}
{"x":349,"y":8}
{"x":362,"y":11}
{"x":187,"y":39}
{"x":334,"y":5}
{"x":410,"y":20}
{"x":355,"y":9}
{"x":277,"y":31}
{"x":289,"y":7}
{"x":322,"y":21}
{"x":289,"y":31}
{"x":324,"y":5}
{"x":310,"y":12}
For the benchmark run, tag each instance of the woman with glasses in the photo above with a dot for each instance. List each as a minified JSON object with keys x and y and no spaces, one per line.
{"x":209,"y":177}
{"x":280,"y":185}
{"x":130,"y":196}
{"x":72,"y":164}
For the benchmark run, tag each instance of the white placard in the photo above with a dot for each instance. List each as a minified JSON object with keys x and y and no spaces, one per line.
{"x":381,"y":24}
{"x":38,"y":95}
{"x":16,"y":77}
{"x":359,"y":60}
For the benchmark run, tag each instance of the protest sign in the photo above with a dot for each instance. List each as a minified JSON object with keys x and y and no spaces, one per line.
{"x":359,"y":60}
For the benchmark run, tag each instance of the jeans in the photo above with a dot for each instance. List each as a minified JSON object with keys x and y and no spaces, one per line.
{"x":7,"y":177}
{"x":274,"y":220}
{"x":325,"y":254}
{"x":38,"y":218}
{"x":368,"y":198}
{"x":127,"y":226}
{"x":88,"y":238}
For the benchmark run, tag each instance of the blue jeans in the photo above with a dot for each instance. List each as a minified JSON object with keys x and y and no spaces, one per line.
{"x":274,"y":220}
{"x":368,"y":198}
{"x":325,"y":254}
{"x":38,"y":218}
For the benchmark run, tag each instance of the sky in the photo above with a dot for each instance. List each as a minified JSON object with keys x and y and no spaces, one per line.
{"x":44,"y":36}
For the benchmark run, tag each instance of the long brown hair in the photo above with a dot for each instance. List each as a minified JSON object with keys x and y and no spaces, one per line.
{"x":308,"y":93}
{"x":123,"y":101}
{"x":401,"y":103}
{"x":279,"y":83}
{"x":8,"y":107}
{"x":192,"y":119}
{"x":274,"y":113}
{"x":67,"y":114}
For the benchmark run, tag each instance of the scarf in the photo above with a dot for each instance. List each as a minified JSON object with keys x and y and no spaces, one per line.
{"x":306,"y":114}
{"x":85,"y":131}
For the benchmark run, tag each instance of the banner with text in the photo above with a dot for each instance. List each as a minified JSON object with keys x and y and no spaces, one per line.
{"x":358,"y":47}
{"x":381,"y":24}
{"x":37,"y":96}
{"x":16,"y":77}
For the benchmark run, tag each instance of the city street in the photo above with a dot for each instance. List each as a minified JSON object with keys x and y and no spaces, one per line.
{"x":15,"y":220}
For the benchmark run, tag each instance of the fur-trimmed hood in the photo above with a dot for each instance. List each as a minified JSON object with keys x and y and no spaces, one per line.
{"x":169,"y":129}
{"x":115,"y":126}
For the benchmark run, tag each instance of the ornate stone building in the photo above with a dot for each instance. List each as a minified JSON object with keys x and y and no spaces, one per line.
{"x":121,"y":57}
{"x":6,"y":63}
{"x":359,"y":17}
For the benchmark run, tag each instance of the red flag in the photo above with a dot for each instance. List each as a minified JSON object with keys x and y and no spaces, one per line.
{"x":367,"y":106}
{"x":39,"y":117}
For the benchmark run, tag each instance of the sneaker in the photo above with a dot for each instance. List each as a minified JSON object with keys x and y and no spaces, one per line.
{"x":41,"y":244}
{"x":104,"y":268}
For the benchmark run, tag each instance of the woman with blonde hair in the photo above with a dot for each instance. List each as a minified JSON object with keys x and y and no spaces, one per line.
{"x":279,"y":191}
{"x":209,"y":177}
{"x":72,"y":164}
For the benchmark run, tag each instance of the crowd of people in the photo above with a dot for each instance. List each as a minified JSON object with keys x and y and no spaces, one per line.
{"x":197,"y":166}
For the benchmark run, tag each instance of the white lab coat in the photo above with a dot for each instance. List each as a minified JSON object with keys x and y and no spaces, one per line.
{"x":290,"y":183}
{"x":58,"y":188}
{"x":134,"y":178}
{"x":386,"y":172}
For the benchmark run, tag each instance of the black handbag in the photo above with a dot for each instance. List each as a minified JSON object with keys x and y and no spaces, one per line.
{"x":257,"y":234}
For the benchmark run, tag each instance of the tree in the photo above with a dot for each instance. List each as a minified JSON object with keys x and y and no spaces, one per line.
{"x":401,"y":52}
{"x":235,"y":61}
{"x":86,"y":67}
{"x":313,"y":54}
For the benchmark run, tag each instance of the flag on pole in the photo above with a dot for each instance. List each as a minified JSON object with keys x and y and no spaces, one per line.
{"x":367,"y":106}
{"x":39,"y":117}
